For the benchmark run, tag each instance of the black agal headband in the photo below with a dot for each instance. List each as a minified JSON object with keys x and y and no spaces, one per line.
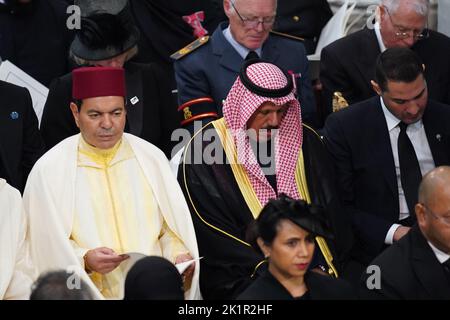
{"x":260,"y":91}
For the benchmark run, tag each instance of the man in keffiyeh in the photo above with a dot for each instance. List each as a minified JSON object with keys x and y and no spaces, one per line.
{"x":233,"y":166}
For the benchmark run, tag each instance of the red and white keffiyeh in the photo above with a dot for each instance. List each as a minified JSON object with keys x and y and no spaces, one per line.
{"x":239,"y":106}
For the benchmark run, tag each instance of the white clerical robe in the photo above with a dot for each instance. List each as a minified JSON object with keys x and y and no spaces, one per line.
{"x":16,"y":273}
{"x":66,"y":219}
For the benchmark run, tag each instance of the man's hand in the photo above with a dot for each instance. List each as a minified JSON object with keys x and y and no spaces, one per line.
{"x":102,"y":260}
{"x":187,"y":274}
{"x":400,"y":232}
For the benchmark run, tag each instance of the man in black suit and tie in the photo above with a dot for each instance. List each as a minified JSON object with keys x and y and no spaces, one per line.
{"x":418,"y":266}
{"x":347,"y":65}
{"x":20,"y":141}
{"x":383,"y":146}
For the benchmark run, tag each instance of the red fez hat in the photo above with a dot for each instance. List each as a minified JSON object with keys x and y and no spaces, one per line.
{"x":90,"y":82}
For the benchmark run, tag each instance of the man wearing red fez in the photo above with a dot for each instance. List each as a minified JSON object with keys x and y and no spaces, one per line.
{"x":103,"y":193}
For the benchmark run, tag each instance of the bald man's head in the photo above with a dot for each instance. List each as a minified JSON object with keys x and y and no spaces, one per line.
{"x":433,"y":209}
{"x":432,"y":182}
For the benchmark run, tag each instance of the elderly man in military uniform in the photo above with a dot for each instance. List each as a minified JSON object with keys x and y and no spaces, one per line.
{"x":206,"y":69}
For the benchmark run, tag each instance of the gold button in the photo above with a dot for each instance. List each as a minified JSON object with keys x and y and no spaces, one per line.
{"x":296,"y":18}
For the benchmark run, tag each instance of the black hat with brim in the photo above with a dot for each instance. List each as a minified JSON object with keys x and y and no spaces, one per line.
{"x":105,"y":33}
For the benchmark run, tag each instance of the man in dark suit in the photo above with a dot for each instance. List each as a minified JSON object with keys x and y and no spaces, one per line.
{"x":108,"y":39}
{"x":418,"y":266}
{"x":382,"y":147}
{"x":347,"y":65}
{"x":212,"y":68}
{"x":20,"y":143}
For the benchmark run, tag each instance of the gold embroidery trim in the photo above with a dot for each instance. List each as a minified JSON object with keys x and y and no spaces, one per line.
{"x":239,"y":172}
{"x":192,"y":202}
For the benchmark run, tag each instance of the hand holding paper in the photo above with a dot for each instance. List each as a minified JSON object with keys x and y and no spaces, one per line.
{"x":103,"y":260}
{"x":189,"y":270}
{"x":182,"y":266}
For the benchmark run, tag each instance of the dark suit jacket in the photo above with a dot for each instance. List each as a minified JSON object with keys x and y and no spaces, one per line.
{"x":359,"y":142}
{"x":212,"y":69}
{"x":153,"y":117}
{"x":37,"y":41}
{"x":163,"y":30}
{"x":348,"y":64}
{"x":21,"y":144}
{"x":303,"y":19}
{"x":320,"y":287}
{"x":409,"y":270}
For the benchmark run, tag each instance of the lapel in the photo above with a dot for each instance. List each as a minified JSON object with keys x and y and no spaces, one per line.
{"x":425,"y":265}
{"x":379,"y":141}
{"x":228,"y":57}
{"x":367,"y":55}
{"x":270,"y":51}
{"x":133,"y":79}
{"x":437,"y":139}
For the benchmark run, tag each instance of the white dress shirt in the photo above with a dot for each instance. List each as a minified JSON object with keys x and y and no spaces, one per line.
{"x":440,"y":255}
{"x":416,"y":133}
{"x":379,"y":37}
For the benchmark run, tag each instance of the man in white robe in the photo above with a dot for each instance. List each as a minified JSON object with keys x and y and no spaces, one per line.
{"x":16,"y":271}
{"x":101,"y":194}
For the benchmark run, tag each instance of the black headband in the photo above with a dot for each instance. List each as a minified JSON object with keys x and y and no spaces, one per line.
{"x":260,"y":91}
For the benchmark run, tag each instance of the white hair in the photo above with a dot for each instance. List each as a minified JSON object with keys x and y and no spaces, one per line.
{"x":235,"y":1}
{"x":81,"y":62}
{"x":421,"y":7}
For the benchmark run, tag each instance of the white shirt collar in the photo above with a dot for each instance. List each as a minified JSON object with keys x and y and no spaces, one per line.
{"x":392,"y":121}
{"x":243,"y":51}
{"x":440,"y":255}
{"x":379,"y":37}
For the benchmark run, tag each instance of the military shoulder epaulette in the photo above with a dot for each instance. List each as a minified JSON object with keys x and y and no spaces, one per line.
{"x":190,"y":47}
{"x":281,"y":34}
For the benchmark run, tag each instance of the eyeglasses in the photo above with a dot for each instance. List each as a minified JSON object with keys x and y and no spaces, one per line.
{"x":402,"y":33}
{"x":252,"y":23}
{"x":444,"y":219}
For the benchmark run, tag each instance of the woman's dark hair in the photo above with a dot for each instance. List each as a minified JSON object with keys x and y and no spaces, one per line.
{"x":397,"y":64}
{"x":307,"y":216}
{"x":154,"y":278}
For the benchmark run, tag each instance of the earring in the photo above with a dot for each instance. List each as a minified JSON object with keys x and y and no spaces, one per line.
{"x":267,"y":256}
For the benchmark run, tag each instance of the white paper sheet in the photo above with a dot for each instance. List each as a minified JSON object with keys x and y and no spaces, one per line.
{"x":184,"y":265}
